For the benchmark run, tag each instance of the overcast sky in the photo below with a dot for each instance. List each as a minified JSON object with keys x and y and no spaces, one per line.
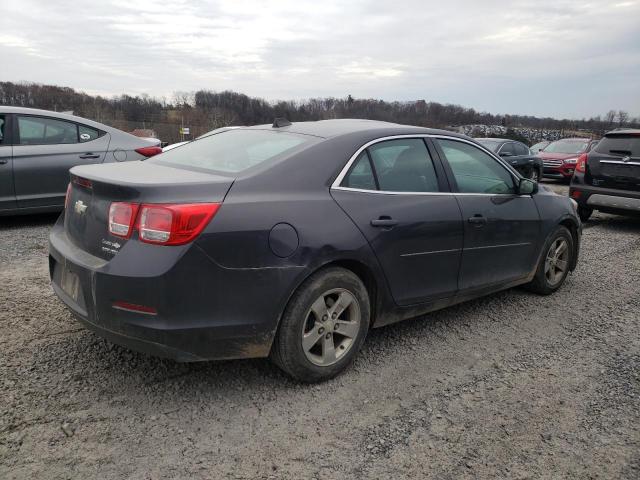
{"x":545,"y":57}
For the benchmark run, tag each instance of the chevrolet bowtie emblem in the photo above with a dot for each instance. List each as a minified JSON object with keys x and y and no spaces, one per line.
{"x":79,"y":207}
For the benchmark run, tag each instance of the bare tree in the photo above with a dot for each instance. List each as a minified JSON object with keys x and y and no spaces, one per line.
{"x":610,"y":117}
{"x":623,"y":118}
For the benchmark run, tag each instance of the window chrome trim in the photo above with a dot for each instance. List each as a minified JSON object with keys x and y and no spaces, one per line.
{"x":620,"y":162}
{"x":345,"y":170}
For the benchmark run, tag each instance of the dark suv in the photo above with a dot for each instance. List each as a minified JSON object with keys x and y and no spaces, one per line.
{"x":608,"y":178}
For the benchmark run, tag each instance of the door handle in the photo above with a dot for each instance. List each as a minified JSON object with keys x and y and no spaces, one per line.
{"x":384,"y":221}
{"x":89,"y":155}
{"x":478,"y":220}
{"x":4,"y":161}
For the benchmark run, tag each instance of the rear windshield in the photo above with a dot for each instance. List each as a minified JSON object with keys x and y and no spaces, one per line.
{"x":624,"y":146}
{"x":567,"y":146}
{"x":232,"y":151}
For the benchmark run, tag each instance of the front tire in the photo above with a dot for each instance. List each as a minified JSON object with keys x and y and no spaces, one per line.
{"x":323,"y":326}
{"x":554,"y":264}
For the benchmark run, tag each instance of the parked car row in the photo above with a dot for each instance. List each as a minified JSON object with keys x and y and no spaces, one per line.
{"x":293,"y":240}
{"x":38,"y":147}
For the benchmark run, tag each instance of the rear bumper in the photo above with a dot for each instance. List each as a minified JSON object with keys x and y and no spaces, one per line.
{"x":606,"y":199}
{"x":203,"y":311}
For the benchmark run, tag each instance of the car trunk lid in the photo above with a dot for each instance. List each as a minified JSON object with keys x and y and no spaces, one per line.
{"x":93,"y":189}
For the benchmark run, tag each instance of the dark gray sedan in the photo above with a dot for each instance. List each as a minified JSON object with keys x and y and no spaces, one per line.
{"x":38,"y":147}
{"x":293,"y":240}
{"x":517,"y":154}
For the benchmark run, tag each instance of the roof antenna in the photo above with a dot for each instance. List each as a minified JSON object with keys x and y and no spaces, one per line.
{"x":279,"y":122}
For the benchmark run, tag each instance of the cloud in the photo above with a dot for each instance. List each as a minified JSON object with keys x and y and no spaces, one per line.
{"x":563,"y":57}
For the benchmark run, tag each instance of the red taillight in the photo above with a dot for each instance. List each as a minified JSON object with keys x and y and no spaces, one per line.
{"x":575,"y":194}
{"x":66,"y":197}
{"x":121,"y":218}
{"x":132,"y":307}
{"x":174,"y":224}
{"x":149,"y":151}
{"x":581,"y":164}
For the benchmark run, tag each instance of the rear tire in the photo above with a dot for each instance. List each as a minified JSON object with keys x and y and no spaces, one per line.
{"x":323,"y":326}
{"x":554,"y":264}
{"x":584,"y":213}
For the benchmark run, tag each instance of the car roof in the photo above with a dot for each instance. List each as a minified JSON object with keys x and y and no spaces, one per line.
{"x":46,"y":113}
{"x":497,"y":140}
{"x":574,"y":139}
{"x":623,"y":131}
{"x":339,"y":127}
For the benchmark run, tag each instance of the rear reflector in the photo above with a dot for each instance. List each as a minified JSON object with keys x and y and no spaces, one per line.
{"x":83,"y":182}
{"x":581,"y":165}
{"x":132,"y":307}
{"x":575,"y":194}
{"x":121,"y":218}
{"x":174,"y":224}
{"x":149,"y":151}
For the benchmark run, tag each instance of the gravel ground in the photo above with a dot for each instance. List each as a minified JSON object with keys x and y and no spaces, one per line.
{"x":513,"y":385}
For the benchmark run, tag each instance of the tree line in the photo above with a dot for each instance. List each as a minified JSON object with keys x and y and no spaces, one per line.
{"x":205,"y":110}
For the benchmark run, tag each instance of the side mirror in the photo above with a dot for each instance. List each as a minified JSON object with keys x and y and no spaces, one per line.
{"x":527,"y":187}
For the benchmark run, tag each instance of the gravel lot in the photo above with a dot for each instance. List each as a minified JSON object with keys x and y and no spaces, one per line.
{"x":513,"y":385}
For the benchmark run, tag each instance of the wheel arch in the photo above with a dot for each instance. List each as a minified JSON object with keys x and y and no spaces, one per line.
{"x":363,"y":271}
{"x":573,"y":227}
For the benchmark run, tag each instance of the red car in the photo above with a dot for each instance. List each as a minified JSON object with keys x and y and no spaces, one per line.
{"x":560,"y":157}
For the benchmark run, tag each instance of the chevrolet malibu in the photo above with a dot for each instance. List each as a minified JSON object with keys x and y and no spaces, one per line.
{"x":293,"y":240}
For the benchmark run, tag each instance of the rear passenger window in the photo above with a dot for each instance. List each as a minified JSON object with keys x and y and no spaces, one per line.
{"x":404,"y":165}
{"x":46,"y":131}
{"x":86,"y":134}
{"x":361,"y":175}
{"x":2,"y":129}
{"x":474,"y":170}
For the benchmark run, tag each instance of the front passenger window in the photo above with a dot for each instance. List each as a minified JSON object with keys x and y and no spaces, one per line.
{"x":2,"y":128}
{"x":476,"y":171}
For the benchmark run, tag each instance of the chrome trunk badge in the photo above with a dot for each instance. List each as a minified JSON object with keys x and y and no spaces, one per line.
{"x":80,"y":207}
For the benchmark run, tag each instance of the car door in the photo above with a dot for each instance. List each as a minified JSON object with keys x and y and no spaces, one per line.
{"x":501,"y":228}
{"x":508,"y":152}
{"x":396,"y":192}
{"x":46,"y":148}
{"x":7,"y":193}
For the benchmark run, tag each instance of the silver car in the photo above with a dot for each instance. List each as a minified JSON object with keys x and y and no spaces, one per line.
{"x":38,"y":147}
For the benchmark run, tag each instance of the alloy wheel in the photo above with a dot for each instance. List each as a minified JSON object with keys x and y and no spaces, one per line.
{"x":557,"y":261}
{"x":331,"y":327}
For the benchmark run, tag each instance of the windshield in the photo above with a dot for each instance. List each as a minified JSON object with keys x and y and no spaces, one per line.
{"x":489,"y":144}
{"x":539,"y":146}
{"x":567,"y":146}
{"x":622,"y":145}
{"x":233,"y":150}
